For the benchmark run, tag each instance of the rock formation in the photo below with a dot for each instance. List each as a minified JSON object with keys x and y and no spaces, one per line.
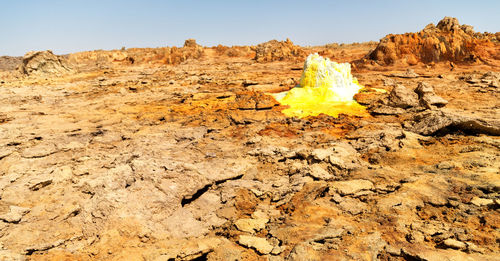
{"x":9,"y":63}
{"x":164,"y":55}
{"x":448,"y":41}
{"x":43,"y":62}
{"x":190,"y":43}
{"x":277,"y":51}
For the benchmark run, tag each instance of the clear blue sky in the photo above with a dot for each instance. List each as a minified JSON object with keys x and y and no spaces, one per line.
{"x":66,"y":26}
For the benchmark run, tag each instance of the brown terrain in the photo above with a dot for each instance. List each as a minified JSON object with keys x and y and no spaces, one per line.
{"x":179,"y":154}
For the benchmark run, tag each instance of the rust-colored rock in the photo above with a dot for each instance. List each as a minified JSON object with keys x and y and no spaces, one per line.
{"x":448,"y":41}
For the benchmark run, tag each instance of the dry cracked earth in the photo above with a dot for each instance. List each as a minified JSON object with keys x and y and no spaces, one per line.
{"x":193,"y":161}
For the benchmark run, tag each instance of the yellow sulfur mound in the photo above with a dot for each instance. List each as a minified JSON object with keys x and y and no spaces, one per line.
{"x":325,"y":87}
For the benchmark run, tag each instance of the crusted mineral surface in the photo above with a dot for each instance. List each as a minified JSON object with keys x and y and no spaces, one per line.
{"x":181,"y":154}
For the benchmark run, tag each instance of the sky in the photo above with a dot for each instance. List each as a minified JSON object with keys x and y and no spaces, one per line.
{"x":66,"y":26}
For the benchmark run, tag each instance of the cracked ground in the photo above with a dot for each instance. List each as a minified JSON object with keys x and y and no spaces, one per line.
{"x":195,"y":162}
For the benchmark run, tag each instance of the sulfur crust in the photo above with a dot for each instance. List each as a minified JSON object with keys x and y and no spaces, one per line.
{"x":325,"y":87}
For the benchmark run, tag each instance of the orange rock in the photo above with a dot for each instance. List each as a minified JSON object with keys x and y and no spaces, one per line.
{"x":448,"y":41}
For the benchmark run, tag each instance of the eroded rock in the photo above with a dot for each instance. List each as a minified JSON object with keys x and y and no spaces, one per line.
{"x":351,"y":187}
{"x":428,"y":98}
{"x":435,"y":122}
{"x":43,"y":62}
{"x":448,"y":41}
{"x":250,"y":224}
{"x":15,"y":214}
{"x":402,"y":97}
{"x":277,"y":51}
{"x":260,"y":244}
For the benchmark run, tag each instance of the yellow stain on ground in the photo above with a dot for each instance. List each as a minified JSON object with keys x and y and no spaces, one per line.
{"x":325,"y":87}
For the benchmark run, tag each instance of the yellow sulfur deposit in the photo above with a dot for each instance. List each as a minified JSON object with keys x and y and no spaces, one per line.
{"x":325,"y":87}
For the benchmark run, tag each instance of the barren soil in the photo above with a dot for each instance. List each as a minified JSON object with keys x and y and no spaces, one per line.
{"x":193,"y":161}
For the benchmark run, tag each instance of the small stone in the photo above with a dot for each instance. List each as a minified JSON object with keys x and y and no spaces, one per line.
{"x":453,"y":243}
{"x":258,"y":243}
{"x":247,"y":83}
{"x":250,"y":225}
{"x":337,"y":198}
{"x":328,"y":233}
{"x":259,"y":214}
{"x":402,"y":97}
{"x":352,"y":206}
{"x":453,"y":203}
{"x":352,"y":186}
{"x":319,"y":172}
{"x":481,"y":201}
{"x":276,"y":250}
{"x":257,"y":192}
{"x":427,"y":96}
{"x":473,"y":248}
{"x":392,"y":250}
{"x":321,"y":154}
{"x":415,"y":237}
{"x":445,"y":165}
{"x":39,"y":183}
{"x":15,"y":214}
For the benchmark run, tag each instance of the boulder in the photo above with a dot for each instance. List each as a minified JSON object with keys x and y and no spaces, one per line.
{"x":428,"y":98}
{"x":43,"y":62}
{"x":435,"y":122}
{"x":401,"y":97}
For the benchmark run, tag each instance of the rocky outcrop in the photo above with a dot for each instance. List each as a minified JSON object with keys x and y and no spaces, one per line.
{"x":278,"y":51}
{"x":401,"y":98}
{"x":428,"y":98}
{"x":234,"y":51}
{"x":9,"y":63}
{"x":435,"y":122}
{"x":190,"y":43}
{"x":43,"y":62}
{"x":448,"y":41}
{"x":91,"y":60}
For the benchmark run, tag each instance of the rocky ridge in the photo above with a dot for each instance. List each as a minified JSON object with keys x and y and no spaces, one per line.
{"x":448,"y":41}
